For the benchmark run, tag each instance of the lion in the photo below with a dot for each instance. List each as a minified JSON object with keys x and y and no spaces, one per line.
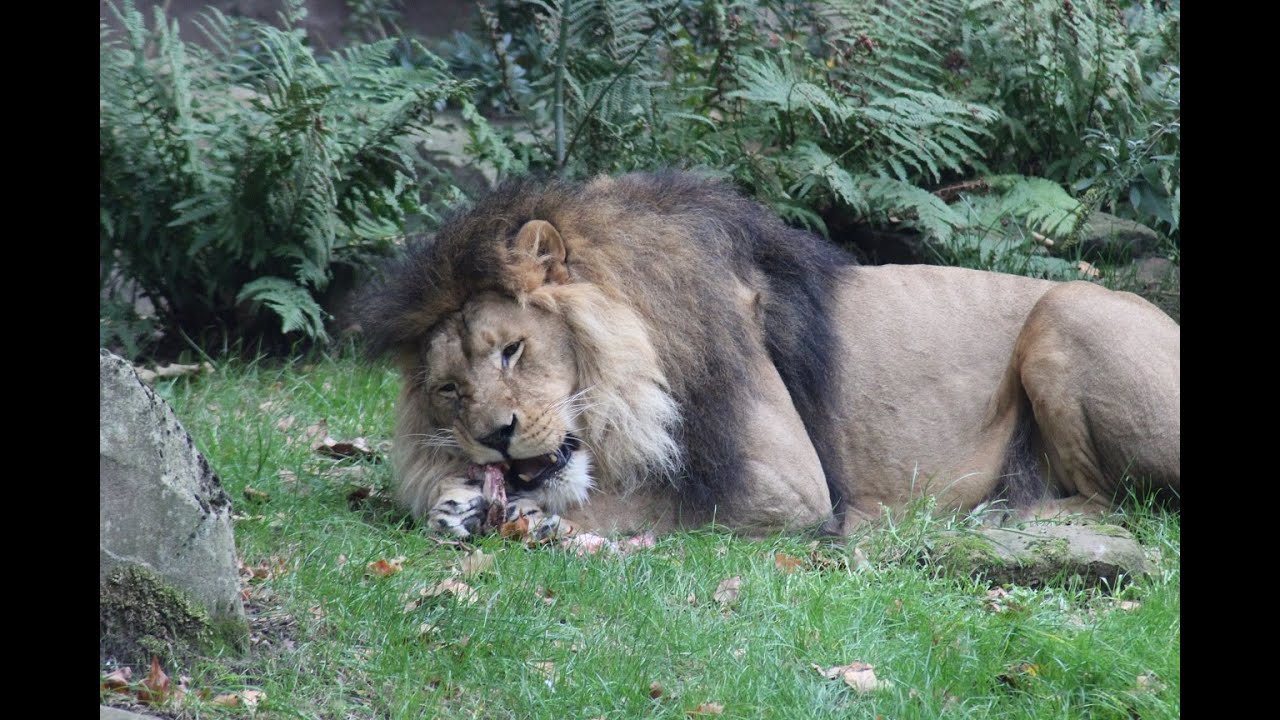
{"x":656,"y":351}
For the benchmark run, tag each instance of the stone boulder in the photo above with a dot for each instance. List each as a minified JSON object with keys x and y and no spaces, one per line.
{"x":1040,"y":555}
{"x":168,"y":574}
{"x":1105,"y":236}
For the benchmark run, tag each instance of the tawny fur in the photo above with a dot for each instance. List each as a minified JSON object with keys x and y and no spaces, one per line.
{"x":717,"y":365}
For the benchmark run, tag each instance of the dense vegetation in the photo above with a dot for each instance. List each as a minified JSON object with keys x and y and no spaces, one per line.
{"x":245,"y":177}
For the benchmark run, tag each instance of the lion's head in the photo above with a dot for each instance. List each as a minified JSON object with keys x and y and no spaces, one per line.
{"x":497,"y":383}
{"x":552,"y":379}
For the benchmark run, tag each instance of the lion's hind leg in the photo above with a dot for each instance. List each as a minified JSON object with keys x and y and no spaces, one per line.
{"x":1101,"y":370}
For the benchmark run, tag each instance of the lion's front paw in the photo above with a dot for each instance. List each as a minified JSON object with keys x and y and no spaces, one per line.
{"x":549,"y":528}
{"x":523,"y":507}
{"x":459,"y":513}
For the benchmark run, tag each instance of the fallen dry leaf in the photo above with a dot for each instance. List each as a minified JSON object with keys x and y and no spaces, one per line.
{"x":386,"y":568}
{"x":727,"y":592}
{"x":995,"y":599}
{"x":254,"y":494}
{"x":155,"y":686}
{"x":786,"y":564}
{"x":858,"y":675}
{"x":655,"y":690}
{"x":342,"y":560}
{"x":546,"y":596}
{"x":288,"y":477}
{"x":358,"y":474}
{"x":426,"y":629}
{"x":357,"y":448}
{"x":517,"y":529}
{"x":316,"y":430}
{"x":546,"y":668}
{"x":269,"y":405}
{"x":1014,"y":675}
{"x":1149,"y":682}
{"x":705,"y":709}
{"x":283,"y":424}
{"x":475,"y":563}
{"x":692,"y":599}
{"x":860,"y":561}
{"x":1088,"y":270}
{"x":118,"y":680}
{"x":168,"y":371}
{"x":450,"y":586}
{"x":738,"y":653}
{"x":1129,"y":605}
{"x":244,"y":698}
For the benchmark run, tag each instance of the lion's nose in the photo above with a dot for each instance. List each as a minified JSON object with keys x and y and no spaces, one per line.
{"x":500,"y":439}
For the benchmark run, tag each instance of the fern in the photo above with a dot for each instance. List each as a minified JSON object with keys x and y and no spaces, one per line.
{"x":298,"y":311}
{"x":778,"y":87}
{"x":1042,"y":204}
{"x":235,"y":180}
{"x":863,"y":129}
{"x":860,"y":108}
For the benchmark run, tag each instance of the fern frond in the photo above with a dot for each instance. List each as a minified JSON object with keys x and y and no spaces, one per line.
{"x":915,"y":207}
{"x":295,"y":306}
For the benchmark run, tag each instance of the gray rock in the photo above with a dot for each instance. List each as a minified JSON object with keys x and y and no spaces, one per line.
{"x":1110,"y":237}
{"x":1040,"y":555}
{"x":166,"y":545}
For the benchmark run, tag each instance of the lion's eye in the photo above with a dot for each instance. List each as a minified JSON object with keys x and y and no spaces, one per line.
{"x":510,"y":352}
{"x":447,"y":389}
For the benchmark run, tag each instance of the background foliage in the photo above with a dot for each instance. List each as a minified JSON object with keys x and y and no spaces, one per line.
{"x":238,"y":182}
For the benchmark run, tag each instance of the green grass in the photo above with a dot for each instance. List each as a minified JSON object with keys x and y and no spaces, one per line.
{"x":333,"y":641}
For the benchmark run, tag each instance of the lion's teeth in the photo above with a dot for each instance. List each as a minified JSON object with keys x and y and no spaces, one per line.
{"x":552,"y":458}
{"x":524,"y":477}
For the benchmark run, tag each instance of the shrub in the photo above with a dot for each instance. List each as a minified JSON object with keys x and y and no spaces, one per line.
{"x":237,"y":181}
{"x":853,"y":108}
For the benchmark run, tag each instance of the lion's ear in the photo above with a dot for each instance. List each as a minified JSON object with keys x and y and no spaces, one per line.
{"x":540,"y":241}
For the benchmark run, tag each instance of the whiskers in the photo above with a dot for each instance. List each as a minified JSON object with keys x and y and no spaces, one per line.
{"x":442,"y":438}
{"x":572,"y":406}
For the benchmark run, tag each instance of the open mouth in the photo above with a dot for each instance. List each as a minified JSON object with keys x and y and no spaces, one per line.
{"x":530,"y":473}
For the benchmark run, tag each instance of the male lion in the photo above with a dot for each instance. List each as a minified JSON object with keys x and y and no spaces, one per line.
{"x":657,"y":351}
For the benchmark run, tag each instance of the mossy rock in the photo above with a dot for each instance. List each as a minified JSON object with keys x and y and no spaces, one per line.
{"x":1041,"y":555}
{"x":141,"y":616}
